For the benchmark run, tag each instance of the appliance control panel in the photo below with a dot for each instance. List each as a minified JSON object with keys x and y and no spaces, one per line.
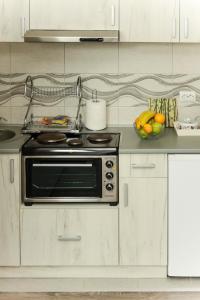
{"x":110,"y":177}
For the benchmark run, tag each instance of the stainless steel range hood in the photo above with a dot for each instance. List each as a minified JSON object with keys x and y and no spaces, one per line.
{"x":71,"y":36}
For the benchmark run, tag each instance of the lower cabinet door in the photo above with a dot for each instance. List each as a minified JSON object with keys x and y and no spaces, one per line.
{"x":84,"y":236}
{"x":9,"y":210}
{"x":143,"y":221}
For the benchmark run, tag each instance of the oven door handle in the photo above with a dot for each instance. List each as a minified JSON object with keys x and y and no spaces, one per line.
{"x":62,"y":165}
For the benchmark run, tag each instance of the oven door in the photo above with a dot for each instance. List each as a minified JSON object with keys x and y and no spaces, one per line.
{"x":51,"y":179}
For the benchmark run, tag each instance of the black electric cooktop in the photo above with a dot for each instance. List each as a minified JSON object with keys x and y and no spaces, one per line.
{"x":60,"y":144}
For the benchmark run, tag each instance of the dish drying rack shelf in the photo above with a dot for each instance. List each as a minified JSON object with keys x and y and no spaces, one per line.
{"x":41,"y":92}
{"x":47,"y":94}
{"x":35,"y":126}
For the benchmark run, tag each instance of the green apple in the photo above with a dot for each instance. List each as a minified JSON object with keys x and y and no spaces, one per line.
{"x":156,"y":128}
{"x":143,"y":134}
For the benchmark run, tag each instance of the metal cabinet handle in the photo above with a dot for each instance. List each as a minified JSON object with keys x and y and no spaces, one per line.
{"x":174,"y":28}
{"x":186,"y":27}
{"x":12,"y":175}
{"x":126,"y":195}
{"x":113,"y":15}
{"x":143,"y":166}
{"x":62,"y":165}
{"x":63,"y":238}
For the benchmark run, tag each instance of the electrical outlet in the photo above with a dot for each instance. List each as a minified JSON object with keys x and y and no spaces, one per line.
{"x":187,"y":97}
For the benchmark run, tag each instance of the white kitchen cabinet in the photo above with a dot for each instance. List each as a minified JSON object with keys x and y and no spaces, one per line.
{"x":74,"y":14}
{"x":189,"y":21}
{"x":149,"y":21}
{"x":9,"y":210}
{"x":14,"y":20}
{"x":143,"y":211}
{"x":80,"y":236}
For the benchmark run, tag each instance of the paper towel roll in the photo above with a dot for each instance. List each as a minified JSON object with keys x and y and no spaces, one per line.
{"x":95,"y":114}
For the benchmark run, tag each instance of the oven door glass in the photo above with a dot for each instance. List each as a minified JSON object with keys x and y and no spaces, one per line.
{"x":63,"y":178}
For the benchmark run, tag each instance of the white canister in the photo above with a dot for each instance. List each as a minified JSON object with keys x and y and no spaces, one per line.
{"x":95,"y":114}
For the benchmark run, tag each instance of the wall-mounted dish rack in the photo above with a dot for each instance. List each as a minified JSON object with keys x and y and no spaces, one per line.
{"x":32,"y":124}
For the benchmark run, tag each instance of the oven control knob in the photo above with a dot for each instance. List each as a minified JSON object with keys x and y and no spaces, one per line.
{"x":109,"y":175}
{"x":109,"y":164}
{"x":109,"y":187}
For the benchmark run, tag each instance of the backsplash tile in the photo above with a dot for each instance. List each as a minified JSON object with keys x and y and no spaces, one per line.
{"x":37,"y":58}
{"x":5,"y":112}
{"x":18,"y":114}
{"x":126,"y":94}
{"x":145,"y":58}
{"x":125,"y":75}
{"x":91,"y":58}
{"x":186,"y":58}
{"x":5,"y":58}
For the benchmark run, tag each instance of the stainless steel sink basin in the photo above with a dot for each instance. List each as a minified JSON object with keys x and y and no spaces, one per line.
{"x":6,"y":134}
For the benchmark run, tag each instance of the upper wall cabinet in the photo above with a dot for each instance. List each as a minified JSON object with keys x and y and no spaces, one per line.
{"x":150,"y":20}
{"x":13,"y":20}
{"x":74,"y":14}
{"x":189,"y":21}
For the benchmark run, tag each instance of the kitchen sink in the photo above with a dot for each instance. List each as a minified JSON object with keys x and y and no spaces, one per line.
{"x":6,"y":134}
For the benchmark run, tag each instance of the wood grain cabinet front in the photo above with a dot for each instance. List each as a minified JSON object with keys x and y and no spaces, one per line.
{"x":189,"y":21}
{"x":14,"y":20}
{"x":143,"y":210}
{"x":149,"y":21}
{"x":58,"y":237}
{"x":74,"y":14}
{"x":171,"y":21}
{"x":9,"y":210}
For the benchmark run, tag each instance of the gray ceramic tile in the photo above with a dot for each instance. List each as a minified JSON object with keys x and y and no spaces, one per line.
{"x":145,"y":58}
{"x":186,"y":58}
{"x":37,"y":58}
{"x":91,"y":58}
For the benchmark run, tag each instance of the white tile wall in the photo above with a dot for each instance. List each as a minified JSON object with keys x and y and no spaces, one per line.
{"x":145,"y":58}
{"x":186,"y":58}
{"x":37,"y":58}
{"x":5,"y":112}
{"x":89,"y":59}
{"x":5,"y":57}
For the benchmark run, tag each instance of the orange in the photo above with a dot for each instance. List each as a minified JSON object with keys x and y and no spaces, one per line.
{"x":159,"y":118}
{"x":147,"y":128}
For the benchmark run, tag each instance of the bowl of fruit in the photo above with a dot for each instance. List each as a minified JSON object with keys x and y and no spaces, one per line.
{"x":150,"y":125}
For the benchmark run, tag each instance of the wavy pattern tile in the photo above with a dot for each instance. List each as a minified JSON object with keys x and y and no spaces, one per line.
{"x":111,"y":87}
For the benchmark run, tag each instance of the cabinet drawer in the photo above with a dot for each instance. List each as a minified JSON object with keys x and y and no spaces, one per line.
{"x":69,"y":237}
{"x":143,"y":165}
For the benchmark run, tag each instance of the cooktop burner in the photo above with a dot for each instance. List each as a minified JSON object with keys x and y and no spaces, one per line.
{"x":46,"y":138}
{"x":99,"y":138}
{"x":60,"y":143}
{"x":75,"y":142}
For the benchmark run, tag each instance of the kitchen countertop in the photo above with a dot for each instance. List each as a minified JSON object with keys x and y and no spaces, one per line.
{"x":14,"y":144}
{"x":129,"y":141}
{"x":169,"y":142}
